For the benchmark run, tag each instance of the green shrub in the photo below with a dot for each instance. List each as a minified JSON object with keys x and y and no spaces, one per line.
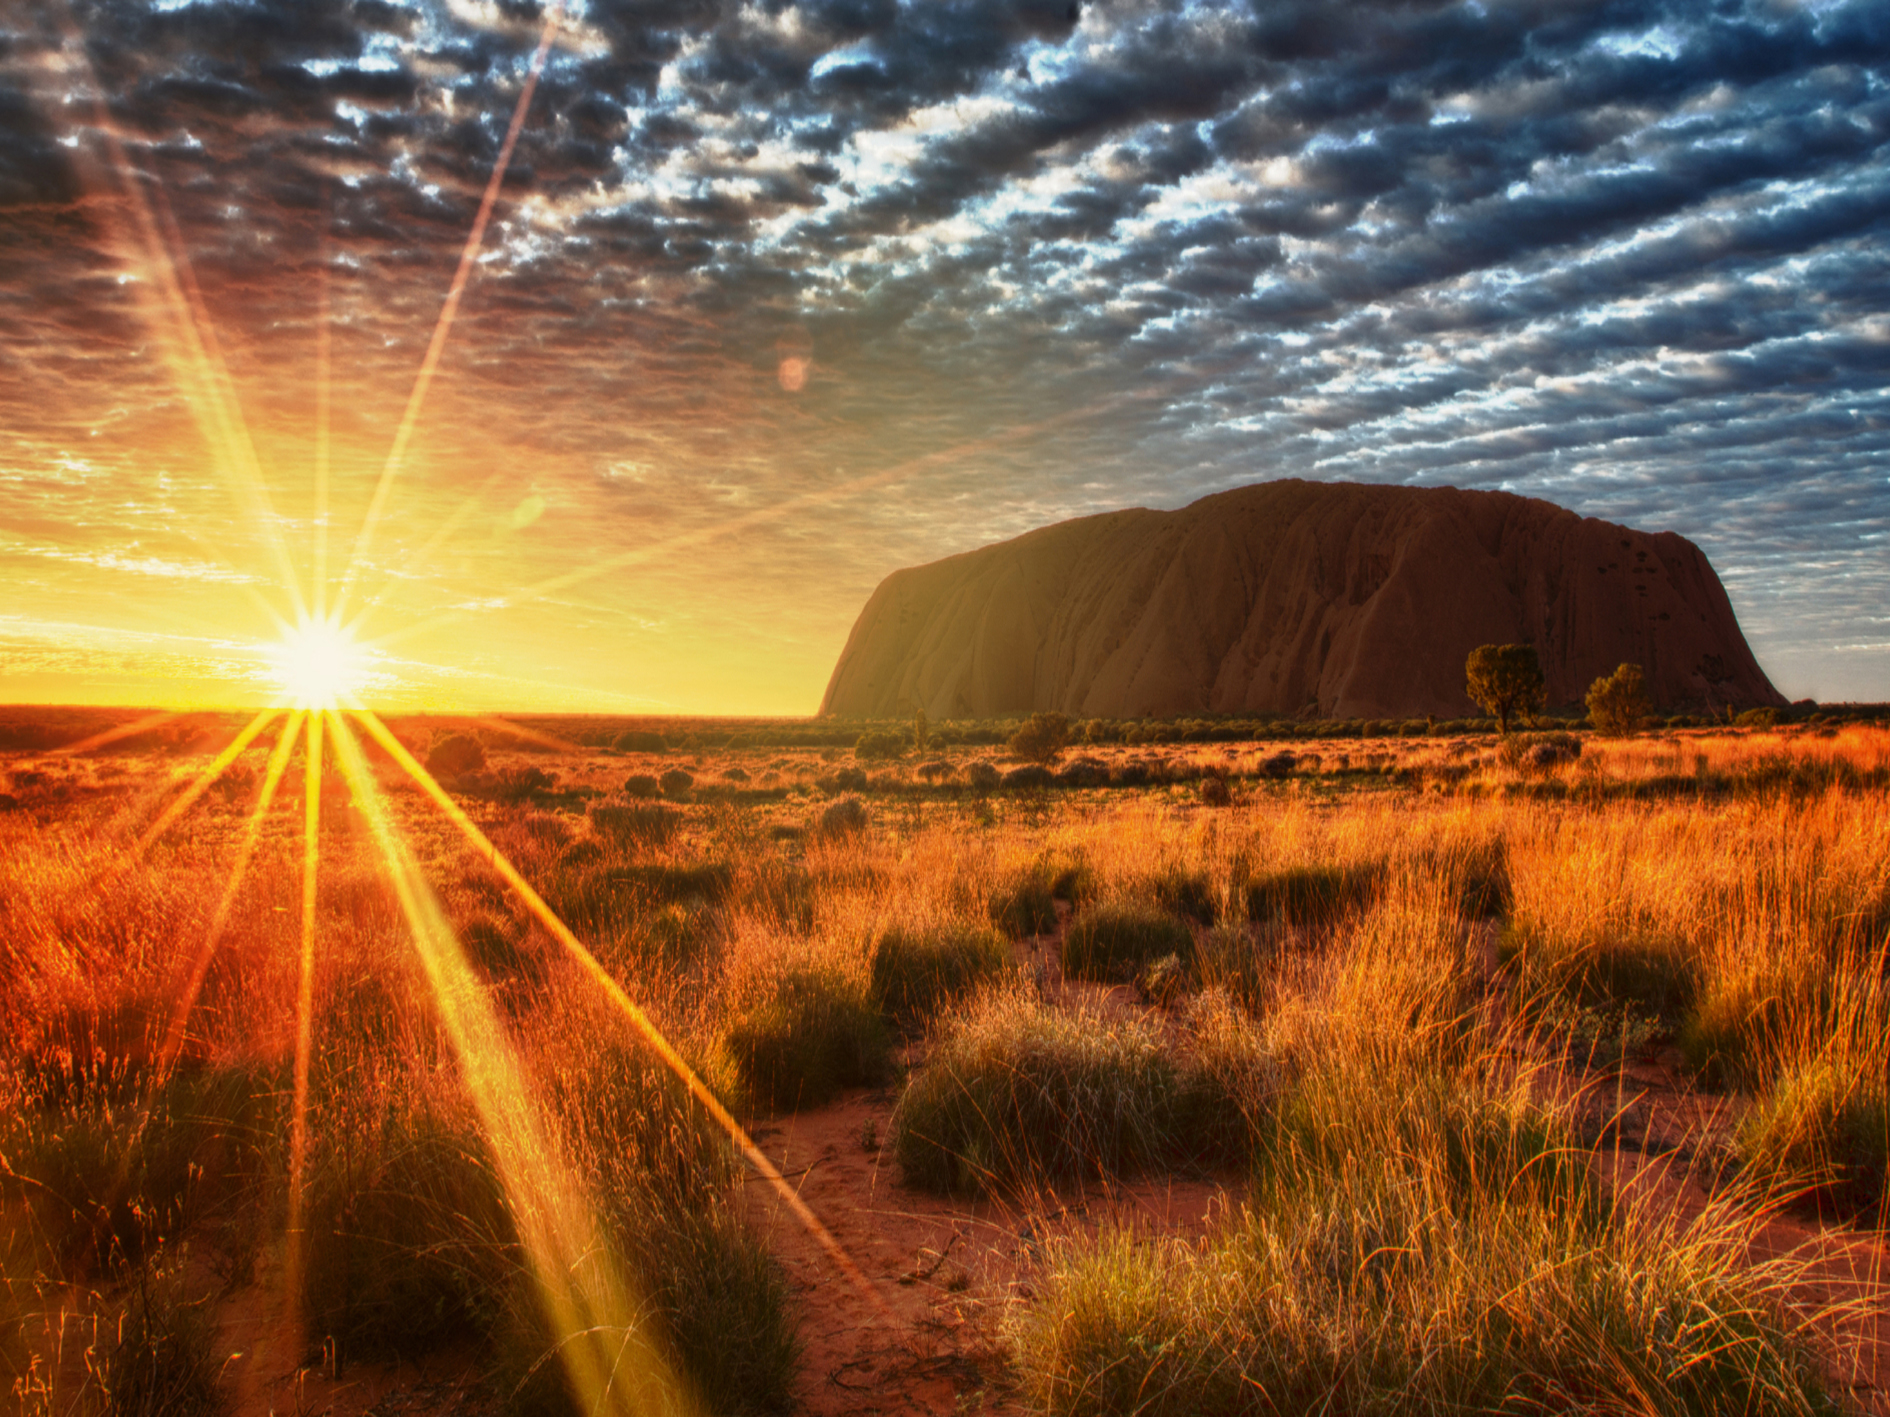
{"x":1186,"y":893}
{"x":634,"y":741}
{"x":675,"y":782}
{"x":1018,"y":1092}
{"x":814,"y":1033}
{"x":1617,"y":704}
{"x":1042,"y":737}
{"x":1312,"y":895}
{"x":124,"y":1163}
{"x":1757,"y":718}
{"x":879,"y":746}
{"x":1114,"y":943}
{"x":917,"y":972}
{"x":643,"y":785}
{"x":410,"y":1243}
{"x":1417,"y":1242}
{"x":1025,"y":904}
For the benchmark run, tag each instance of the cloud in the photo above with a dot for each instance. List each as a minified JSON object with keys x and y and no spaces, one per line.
{"x":1046,"y":258}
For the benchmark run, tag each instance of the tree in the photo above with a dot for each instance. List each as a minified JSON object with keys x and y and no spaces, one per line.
{"x":1505,"y":680}
{"x":1617,"y":702}
{"x":1043,"y":736}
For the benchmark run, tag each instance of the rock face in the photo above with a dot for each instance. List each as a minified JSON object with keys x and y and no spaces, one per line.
{"x":1293,"y":597}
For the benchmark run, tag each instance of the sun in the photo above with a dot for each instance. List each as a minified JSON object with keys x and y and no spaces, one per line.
{"x":319,"y":665}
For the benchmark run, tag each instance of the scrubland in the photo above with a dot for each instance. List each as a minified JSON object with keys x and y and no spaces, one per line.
{"x":1509,"y":1058}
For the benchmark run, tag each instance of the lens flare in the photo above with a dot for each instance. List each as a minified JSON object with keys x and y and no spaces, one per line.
{"x":318,"y":665}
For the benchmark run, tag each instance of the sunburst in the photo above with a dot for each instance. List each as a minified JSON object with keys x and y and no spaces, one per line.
{"x":322,"y":670}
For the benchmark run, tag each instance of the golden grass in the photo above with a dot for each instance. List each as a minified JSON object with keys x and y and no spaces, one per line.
{"x":1409,"y":945}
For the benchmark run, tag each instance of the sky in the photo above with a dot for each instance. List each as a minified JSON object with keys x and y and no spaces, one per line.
{"x":774,"y":299}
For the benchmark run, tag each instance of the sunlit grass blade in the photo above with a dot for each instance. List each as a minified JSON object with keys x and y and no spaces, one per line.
{"x":644,"y":1025}
{"x":608,"y":1348}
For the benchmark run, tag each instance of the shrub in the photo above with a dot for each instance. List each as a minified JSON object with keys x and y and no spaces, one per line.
{"x":1312,"y":895}
{"x":1042,"y":737}
{"x":111,"y":1162}
{"x":983,"y":775}
{"x":1236,"y":961}
{"x":643,"y":784}
{"x":847,"y":817}
{"x":1758,"y":718}
{"x":1016,"y":1091}
{"x":1029,"y":776}
{"x":1215,"y":792}
{"x":1617,"y":704}
{"x":916,"y":972}
{"x":636,"y":824}
{"x":813,"y":1033}
{"x":1024,"y":906}
{"x":675,"y":782}
{"x":1114,"y":943}
{"x":1506,"y":680}
{"x":410,"y":1242}
{"x":634,"y":741}
{"x":878,"y":746}
{"x":492,"y":948}
{"x":1186,"y":893}
{"x":163,"y":1362}
{"x":456,"y":755}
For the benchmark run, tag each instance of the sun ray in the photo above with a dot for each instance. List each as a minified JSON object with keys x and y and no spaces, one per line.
{"x":760,"y":516}
{"x":180,"y":322}
{"x":604,"y":1335}
{"x":185,"y":800}
{"x":123,"y":730}
{"x":644,"y":1025}
{"x":443,"y":327}
{"x":411,"y":566}
{"x":296,"y":1237}
{"x":324,"y":371}
{"x":252,"y":831}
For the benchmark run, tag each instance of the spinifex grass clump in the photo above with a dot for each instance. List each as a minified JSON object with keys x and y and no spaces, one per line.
{"x":410,"y":1241}
{"x":808,"y":1033}
{"x":1026,"y":904}
{"x":917,"y":971}
{"x":1820,"y":1125}
{"x":1423,"y":1237}
{"x":663,"y":1176}
{"x":1018,"y":1093}
{"x":124,"y":1160}
{"x":1115,"y":943}
{"x":1312,"y":895}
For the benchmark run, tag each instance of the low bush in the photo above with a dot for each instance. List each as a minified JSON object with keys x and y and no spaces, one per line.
{"x":634,"y":741}
{"x":1113,"y":943}
{"x":675,"y":782}
{"x":1017,"y":1092}
{"x":636,"y":824}
{"x":812,"y":1033}
{"x":410,"y":1242}
{"x":163,"y":1360}
{"x":643,"y":785}
{"x":918,"y":972}
{"x":455,"y":755}
{"x":1041,"y":738}
{"x":1240,"y":961}
{"x":1312,"y":895}
{"x":880,"y":746}
{"x":1422,"y":1238}
{"x":115,"y":1167}
{"x":1186,"y":893}
{"x":1025,"y":904}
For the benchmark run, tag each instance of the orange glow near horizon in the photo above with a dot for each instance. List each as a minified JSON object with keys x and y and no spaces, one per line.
{"x":317,"y":664}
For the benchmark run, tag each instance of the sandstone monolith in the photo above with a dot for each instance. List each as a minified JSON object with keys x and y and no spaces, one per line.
{"x":1296,"y":598}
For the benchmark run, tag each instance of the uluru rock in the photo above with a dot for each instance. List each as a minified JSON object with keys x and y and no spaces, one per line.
{"x":1291,"y":597}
